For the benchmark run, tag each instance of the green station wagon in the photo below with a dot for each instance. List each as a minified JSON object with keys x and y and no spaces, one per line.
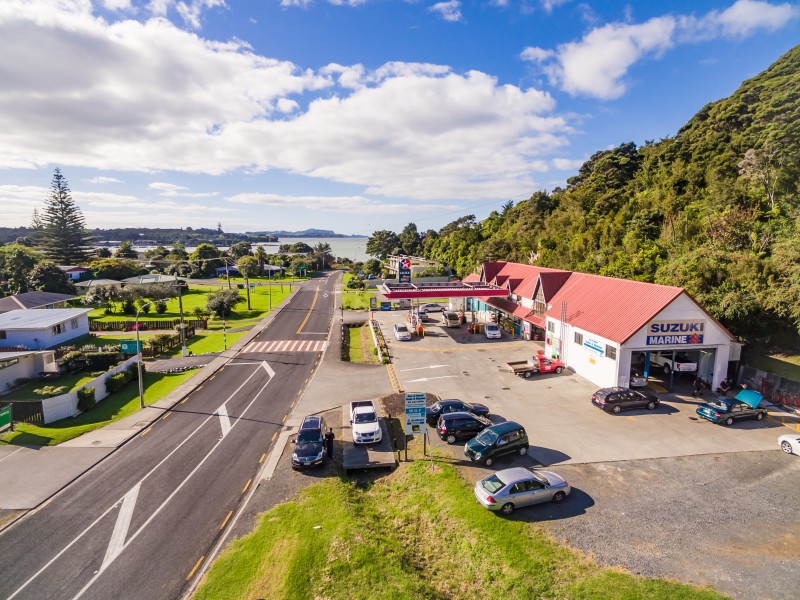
{"x":728,"y":410}
{"x":497,"y":440}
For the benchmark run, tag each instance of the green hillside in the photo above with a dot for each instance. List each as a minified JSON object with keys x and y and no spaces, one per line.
{"x":714,"y":209}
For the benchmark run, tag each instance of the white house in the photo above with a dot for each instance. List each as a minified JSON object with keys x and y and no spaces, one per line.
{"x":26,"y":364}
{"x":37,"y":329}
{"x":75,"y":273}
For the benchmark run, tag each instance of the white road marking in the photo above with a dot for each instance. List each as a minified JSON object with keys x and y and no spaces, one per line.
{"x":120,"y":532}
{"x":224,"y":419}
{"x":146,"y":476}
{"x":432,"y":378}
{"x":286,"y":346}
{"x":420,"y":368}
{"x":268,"y":369}
{"x":7,"y":455}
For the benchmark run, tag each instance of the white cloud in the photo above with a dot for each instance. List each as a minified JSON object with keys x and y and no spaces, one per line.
{"x":131,"y":96}
{"x":549,"y":5}
{"x":449,"y":11}
{"x":171,"y":190}
{"x":341,"y":204}
{"x":117,"y":4}
{"x":597,"y":64}
{"x":567,"y":164}
{"x":19,"y":202}
{"x":102,"y":179}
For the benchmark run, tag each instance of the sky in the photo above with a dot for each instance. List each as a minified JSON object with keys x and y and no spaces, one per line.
{"x":348,"y":115}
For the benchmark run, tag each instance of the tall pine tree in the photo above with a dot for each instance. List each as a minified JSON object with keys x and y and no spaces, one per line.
{"x":63,"y":236}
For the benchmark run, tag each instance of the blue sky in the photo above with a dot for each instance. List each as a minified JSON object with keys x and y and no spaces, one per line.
{"x":352,"y":115}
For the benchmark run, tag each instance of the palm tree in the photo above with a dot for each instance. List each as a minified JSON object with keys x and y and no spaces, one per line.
{"x":261,"y":256}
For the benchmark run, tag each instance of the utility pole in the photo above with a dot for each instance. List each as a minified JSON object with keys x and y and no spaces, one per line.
{"x":180,"y":307}
{"x":247,"y":287}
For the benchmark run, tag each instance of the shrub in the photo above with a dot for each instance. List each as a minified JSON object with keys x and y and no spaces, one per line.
{"x":101,"y":361}
{"x":356,"y":284}
{"x":86,"y":399}
{"x":49,"y":391}
{"x":72,"y":356}
{"x":114,"y":383}
{"x":133,"y":371}
{"x":161,"y":308}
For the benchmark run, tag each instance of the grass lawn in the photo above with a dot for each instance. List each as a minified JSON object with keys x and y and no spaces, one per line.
{"x":787,"y":366}
{"x":206,"y":342}
{"x":360,"y":345}
{"x":356,"y":300}
{"x":416,"y":533}
{"x":115,"y":406}
{"x":197,"y":296}
{"x":71,"y":382}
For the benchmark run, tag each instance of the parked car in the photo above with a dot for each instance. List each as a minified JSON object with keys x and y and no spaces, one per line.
{"x":617,"y":399}
{"x":456,"y":426}
{"x":451,"y":319}
{"x":365,"y":422}
{"x":638,"y":380}
{"x":514,"y":488}
{"x":432,"y":307}
{"x":728,"y":410}
{"x":683,"y":364}
{"x":401,"y":332}
{"x":790,"y":443}
{"x":497,"y":440}
{"x":433,"y":412}
{"x":492,"y":331}
{"x":309,"y":445}
{"x":421,"y":314}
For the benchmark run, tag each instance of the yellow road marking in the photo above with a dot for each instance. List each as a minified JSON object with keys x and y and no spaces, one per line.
{"x":247,"y":485}
{"x":145,"y":432}
{"x":308,"y":314}
{"x":212,"y":377}
{"x":198,"y":388}
{"x":225,"y":522}
{"x":394,"y":379}
{"x":274,"y":435}
{"x":292,"y":404}
{"x":184,"y":400}
{"x":284,"y":418}
{"x":189,"y":576}
{"x":166,"y":416}
{"x":263,"y":456}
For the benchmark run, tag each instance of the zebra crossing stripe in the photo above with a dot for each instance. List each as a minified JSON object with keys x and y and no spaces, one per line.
{"x":286,"y":346}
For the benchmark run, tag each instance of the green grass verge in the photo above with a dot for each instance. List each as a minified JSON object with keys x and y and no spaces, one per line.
{"x":361,"y":345}
{"x":71,"y":382}
{"x":207,"y":342}
{"x":785,"y":366}
{"x":417,"y":533}
{"x":356,"y":300}
{"x":115,"y":406}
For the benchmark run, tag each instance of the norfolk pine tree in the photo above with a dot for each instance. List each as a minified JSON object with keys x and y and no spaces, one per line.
{"x":63,"y":236}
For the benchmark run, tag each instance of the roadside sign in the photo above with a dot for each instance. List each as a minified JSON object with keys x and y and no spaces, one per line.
{"x":5,"y":417}
{"x":129,"y":347}
{"x":373,"y":302}
{"x":386,"y":306}
{"x":415,"y":414}
{"x":404,"y":271}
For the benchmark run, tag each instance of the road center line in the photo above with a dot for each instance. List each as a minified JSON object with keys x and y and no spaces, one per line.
{"x":310,"y":310}
{"x":117,"y":541}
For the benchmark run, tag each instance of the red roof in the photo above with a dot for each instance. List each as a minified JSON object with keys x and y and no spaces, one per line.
{"x":612,"y":308}
{"x":471,"y":278}
{"x":521,"y":278}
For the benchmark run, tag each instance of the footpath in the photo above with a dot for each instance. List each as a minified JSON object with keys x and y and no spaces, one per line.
{"x":30,"y":475}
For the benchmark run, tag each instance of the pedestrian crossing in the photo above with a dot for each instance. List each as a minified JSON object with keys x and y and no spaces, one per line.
{"x":286,"y":346}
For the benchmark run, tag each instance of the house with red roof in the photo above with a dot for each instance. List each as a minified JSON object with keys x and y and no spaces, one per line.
{"x":604,"y":328}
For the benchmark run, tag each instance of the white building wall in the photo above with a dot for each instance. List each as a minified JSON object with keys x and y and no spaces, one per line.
{"x":24,"y":369}
{"x":40,"y":339}
{"x":66,"y":405}
{"x":588,"y":359}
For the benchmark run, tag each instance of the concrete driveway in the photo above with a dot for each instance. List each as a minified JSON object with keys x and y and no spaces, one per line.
{"x":562,"y":424}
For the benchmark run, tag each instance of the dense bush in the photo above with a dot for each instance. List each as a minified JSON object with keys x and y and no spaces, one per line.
{"x":101,"y":360}
{"x":49,"y":391}
{"x":116,"y":382}
{"x":72,"y":356}
{"x":86,"y":399}
{"x":161,"y":308}
{"x":356,"y":284}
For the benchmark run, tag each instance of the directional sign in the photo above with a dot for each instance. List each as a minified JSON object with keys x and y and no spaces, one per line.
{"x":415,"y":414}
{"x":5,"y":417}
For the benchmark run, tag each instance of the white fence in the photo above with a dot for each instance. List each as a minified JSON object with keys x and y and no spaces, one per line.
{"x":66,"y":405}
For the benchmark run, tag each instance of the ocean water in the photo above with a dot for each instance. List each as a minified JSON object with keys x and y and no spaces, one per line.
{"x":352,"y":248}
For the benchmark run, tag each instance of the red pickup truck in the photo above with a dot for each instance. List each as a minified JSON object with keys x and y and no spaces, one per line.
{"x":537,"y":364}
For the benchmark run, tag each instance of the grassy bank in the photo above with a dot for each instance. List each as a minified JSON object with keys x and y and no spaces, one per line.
{"x":116,"y":406}
{"x":417,"y":533}
{"x":360,"y":345}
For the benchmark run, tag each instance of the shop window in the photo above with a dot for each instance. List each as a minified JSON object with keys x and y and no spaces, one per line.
{"x":551,"y":326}
{"x":611,"y":352}
{"x":2,"y":335}
{"x":539,"y":308}
{"x":59,"y":329}
{"x":579,"y":338}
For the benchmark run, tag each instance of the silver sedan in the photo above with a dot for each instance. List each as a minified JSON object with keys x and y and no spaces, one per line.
{"x":517,"y":487}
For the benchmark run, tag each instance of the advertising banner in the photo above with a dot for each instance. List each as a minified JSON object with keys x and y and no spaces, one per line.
{"x":404,"y":271}
{"x":669,"y":333}
{"x":415,"y":414}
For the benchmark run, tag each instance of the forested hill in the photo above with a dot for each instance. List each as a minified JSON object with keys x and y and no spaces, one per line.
{"x":714,"y":210}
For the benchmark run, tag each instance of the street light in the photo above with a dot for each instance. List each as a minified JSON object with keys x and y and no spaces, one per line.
{"x":180,"y":307}
{"x":139,"y":352}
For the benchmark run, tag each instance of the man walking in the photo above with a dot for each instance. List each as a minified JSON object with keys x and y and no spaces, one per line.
{"x":329,"y":442}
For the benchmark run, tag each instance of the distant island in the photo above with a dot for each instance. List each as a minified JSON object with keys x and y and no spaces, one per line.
{"x":307,"y":233}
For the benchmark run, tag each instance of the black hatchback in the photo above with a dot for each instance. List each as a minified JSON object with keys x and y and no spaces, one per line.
{"x":617,"y":399}
{"x":460,"y":426}
{"x":309,"y":448}
{"x":443,"y":407}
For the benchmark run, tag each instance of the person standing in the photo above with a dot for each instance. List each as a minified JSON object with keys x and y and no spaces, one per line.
{"x":329,"y":436}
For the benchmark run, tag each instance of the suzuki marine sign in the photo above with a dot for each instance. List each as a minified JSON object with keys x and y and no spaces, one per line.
{"x":668,"y":333}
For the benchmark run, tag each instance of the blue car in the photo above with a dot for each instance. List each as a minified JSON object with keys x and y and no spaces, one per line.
{"x":727,"y":410}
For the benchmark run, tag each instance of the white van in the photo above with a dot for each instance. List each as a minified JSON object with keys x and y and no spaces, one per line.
{"x":450,"y":319}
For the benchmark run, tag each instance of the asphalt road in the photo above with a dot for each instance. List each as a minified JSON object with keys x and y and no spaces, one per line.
{"x":140,"y":524}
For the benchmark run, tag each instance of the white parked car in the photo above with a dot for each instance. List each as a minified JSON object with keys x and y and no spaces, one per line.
{"x":432,"y":307}
{"x":790,"y":443}
{"x":492,"y":331}
{"x":401,"y":332}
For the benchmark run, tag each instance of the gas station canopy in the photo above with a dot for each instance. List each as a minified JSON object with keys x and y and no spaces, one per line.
{"x":394,"y":291}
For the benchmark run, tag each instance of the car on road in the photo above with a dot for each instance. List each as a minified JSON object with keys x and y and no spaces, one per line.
{"x":497,"y":440}
{"x":514,"y":488}
{"x":309,"y":445}
{"x":402,"y":332}
{"x":432,"y":307}
{"x":617,"y":399}
{"x":442,"y":407}
{"x":790,"y":443}
{"x":727,"y":410}
{"x":492,"y":331}
{"x":456,"y":426}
